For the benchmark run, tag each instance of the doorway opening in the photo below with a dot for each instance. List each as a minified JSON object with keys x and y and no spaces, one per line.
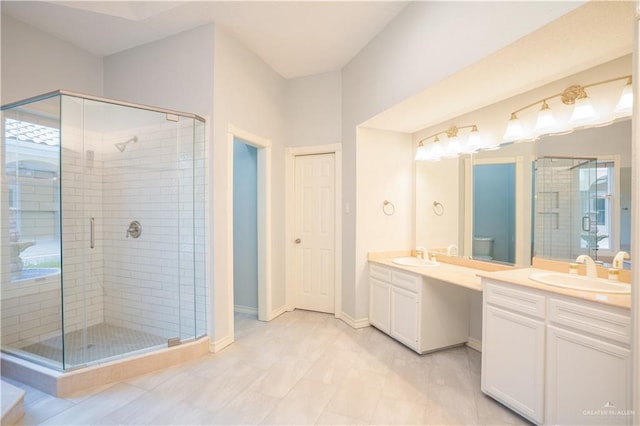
{"x":245,"y":228}
{"x":249,"y":207}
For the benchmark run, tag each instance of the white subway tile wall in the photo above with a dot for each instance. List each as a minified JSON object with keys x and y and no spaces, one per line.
{"x":557,"y":230}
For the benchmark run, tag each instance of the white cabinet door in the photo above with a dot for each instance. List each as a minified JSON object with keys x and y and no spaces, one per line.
{"x":405,"y":317}
{"x":379,"y":304}
{"x":513,"y":361}
{"x":588,"y":380}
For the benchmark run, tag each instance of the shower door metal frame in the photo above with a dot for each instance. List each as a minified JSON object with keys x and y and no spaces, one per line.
{"x":101,"y":99}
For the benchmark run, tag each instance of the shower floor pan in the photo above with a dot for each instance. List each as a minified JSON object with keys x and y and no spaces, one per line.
{"x":109,"y":354}
{"x":103,"y":341}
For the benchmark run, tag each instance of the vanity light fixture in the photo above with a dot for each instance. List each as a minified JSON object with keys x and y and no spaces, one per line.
{"x":583,"y":111}
{"x":514,"y":129}
{"x":454,"y":145}
{"x":421,"y":152}
{"x":436,"y":152}
{"x":546,"y":121}
{"x":625,"y":104}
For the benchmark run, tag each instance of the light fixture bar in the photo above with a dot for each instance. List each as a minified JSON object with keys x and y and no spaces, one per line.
{"x":450,"y":132}
{"x":453,"y":147}
{"x":576,"y":95}
{"x":571,"y":93}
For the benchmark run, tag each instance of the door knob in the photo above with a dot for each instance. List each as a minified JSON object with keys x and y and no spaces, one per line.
{"x":298,"y":241}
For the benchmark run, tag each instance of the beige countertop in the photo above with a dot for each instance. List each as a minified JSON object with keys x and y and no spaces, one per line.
{"x":453,"y":274}
{"x":471,"y":277}
{"x":521,"y":277}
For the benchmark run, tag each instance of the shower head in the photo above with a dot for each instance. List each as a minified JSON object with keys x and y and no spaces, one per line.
{"x":123,"y":145}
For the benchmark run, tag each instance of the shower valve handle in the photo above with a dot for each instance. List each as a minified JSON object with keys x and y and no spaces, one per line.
{"x":135,"y":229}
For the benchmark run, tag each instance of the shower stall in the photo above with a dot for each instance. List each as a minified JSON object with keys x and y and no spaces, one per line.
{"x":103,"y":229}
{"x":567,"y":207}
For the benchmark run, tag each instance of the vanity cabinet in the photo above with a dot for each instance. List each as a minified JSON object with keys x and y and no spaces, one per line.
{"x":380,"y":308}
{"x":554,"y":359}
{"x":422,"y":313}
{"x":513,"y":346}
{"x":405,"y":317}
{"x":588,"y":364}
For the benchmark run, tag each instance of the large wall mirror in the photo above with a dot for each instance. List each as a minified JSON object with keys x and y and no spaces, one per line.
{"x":556,"y":198}
{"x":577,"y":187}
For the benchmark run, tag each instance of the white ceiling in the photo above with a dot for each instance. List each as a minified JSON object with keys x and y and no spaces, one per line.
{"x":296,"y":38}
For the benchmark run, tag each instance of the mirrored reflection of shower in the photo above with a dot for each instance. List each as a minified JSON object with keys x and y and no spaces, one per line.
{"x":123,"y":145}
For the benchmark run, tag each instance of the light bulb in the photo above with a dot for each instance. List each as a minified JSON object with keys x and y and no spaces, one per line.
{"x":474,"y":143}
{"x":421,"y":152}
{"x":625,"y":104}
{"x":514,"y":130}
{"x":436,"y":152}
{"x":546,"y":122}
{"x":583,"y":111}
{"x":453,"y":147}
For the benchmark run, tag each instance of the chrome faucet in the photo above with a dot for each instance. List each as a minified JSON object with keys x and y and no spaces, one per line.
{"x":618,"y":260}
{"x":592,"y":271}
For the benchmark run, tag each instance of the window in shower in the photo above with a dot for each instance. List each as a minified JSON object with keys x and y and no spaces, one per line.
{"x":31,"y":169}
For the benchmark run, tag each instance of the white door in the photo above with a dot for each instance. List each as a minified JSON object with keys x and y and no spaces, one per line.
{"x":315,"y":232}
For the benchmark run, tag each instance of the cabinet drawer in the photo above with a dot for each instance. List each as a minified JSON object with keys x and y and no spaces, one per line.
{"x":406,"y":281}
{"x":515,"y":300}
{"x":380,"y":273}
{"x":595,"y":320}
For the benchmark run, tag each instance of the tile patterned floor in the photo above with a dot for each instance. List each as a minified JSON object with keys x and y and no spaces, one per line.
{"x":302,"y":368}
{"x":102,"y":341}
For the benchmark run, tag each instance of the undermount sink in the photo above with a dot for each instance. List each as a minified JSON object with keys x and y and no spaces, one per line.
{"x":414,"y":261}
{"x":579,"y":282}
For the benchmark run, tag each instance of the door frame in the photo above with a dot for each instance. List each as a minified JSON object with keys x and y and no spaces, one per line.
{"x":290,"y":157}
{"x":263,"y":146}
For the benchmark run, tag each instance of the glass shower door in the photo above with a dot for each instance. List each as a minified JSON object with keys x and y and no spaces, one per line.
{"x":585,"y":172}
{"x":30,"y":211}
{"x":121,"y":209}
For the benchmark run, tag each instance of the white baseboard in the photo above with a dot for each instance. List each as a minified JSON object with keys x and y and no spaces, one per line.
{"x":277,"y":312}
{"x":220,"y":344}
{"x":474,"y":343}
{"x":245,"y":310}
{"x":360,"y":323}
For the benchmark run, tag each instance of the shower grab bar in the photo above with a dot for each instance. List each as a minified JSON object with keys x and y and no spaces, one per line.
{"x":93,"y":232}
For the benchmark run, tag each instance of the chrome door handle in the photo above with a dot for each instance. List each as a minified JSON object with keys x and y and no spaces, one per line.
{"x":298,"y":241}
